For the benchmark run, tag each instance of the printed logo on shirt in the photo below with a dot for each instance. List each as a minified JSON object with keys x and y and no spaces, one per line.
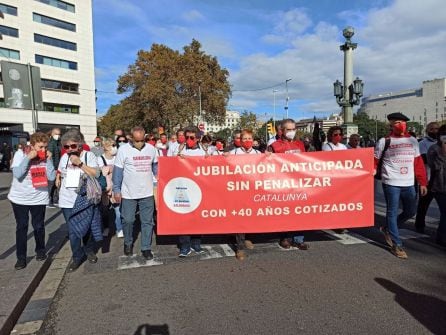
{"x":142,"y":163}
{"x":404,"y":170}
{"x":182,"y":195}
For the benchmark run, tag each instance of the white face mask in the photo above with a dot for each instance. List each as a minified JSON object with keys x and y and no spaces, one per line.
{"x":290,"y":135}
{"x":56,"y":137}
{"x":114,"y":151}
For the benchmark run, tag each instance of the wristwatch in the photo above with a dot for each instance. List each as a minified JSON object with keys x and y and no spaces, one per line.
{"x":80,"y":165}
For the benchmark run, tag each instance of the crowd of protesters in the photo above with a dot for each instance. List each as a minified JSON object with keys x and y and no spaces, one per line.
{"x":102,"y":190}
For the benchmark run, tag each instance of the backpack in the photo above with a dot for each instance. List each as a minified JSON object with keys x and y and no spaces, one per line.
{"x":380,"y":162}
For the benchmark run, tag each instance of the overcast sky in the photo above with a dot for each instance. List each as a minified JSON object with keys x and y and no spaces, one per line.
{"x":262,"y":43}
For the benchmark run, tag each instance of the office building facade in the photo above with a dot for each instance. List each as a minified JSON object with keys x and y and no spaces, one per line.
{"x":57,"y":37}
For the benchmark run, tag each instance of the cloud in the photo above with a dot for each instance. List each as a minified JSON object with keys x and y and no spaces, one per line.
{"x":399,"y":46}
{"x":192,"y":16}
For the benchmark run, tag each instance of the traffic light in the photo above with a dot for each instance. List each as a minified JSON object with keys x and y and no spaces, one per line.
{"x":270,"y":128}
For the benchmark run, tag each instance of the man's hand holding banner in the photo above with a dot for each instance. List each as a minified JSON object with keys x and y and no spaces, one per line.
{"x":260,"y":193}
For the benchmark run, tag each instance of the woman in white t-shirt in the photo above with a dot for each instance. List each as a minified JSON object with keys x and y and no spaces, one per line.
{"x":31,"y":170}
{"x":106,"y":163}
{"x":334,"y":138}
{"x":73,"y":164}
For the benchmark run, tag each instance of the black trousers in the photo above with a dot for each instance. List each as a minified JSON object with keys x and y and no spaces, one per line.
{"x":423,"y":206}
{"x":21,"y":213}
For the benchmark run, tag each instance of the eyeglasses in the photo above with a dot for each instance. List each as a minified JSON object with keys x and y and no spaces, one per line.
{"x":122,"y":141}
{"x":72,"y":146}
{"x":190,"y":137}
{"x":337,"y":134}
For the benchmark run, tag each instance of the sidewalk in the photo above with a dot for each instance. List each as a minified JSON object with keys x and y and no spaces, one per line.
{"x":16,"y":287}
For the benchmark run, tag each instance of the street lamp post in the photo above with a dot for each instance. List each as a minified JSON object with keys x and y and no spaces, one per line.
{"x":274,"y":107}
{"x":199,"y":98}
{"x":287,"y":97}
{"x":350,"y":93}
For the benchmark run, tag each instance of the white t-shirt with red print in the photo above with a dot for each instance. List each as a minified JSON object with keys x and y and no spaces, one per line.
{"x":398,"y":167}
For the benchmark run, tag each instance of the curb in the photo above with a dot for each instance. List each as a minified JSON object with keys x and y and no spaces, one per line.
{"x":12,"y":319}
{"x":35,"y":311}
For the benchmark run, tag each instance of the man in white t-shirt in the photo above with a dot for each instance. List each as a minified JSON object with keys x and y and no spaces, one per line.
{"x":401,"y":163}
{"x":135,"y":165}
{"x":190,"y":148}
{"x":173,"y":146}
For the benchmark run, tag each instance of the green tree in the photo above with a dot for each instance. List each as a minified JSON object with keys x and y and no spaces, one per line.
{"x":369,"y":127}
{"x":248,"y":120}
{"x":163,"y":88}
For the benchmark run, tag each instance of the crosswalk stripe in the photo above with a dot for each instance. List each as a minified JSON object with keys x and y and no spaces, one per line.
{"x":347,"y":238}
{"x":134,"y":261}
{"x":211,"y":253}
{"x":227,"y":250}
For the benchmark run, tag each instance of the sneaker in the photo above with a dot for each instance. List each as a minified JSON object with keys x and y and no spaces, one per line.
{"x":50,"y":206}
{"x":387,"y":237}
{"x":398,"y":252}
{"x":300,"y":246}
{"x":197,"y":249}
{"x":285,"y":244}
{"x":249,"y":245}
{"x":185,"y":253}
{"x":73,"y":266}
{"x":105,"y":232}
{"x":41,"y":256}
{"x":240,"y":255}
{"x":120,"y":234}
{"x":92,"y":258}
{"x":147,"y":254}
{"x":20,"y":264}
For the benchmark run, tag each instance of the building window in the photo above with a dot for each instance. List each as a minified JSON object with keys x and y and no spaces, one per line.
{"x":64,"y":64}
{"x":7,"y":9}
{"x":59,"y":108}
{"x":59,"y":85}
{"x":54,"y":22}
{"x":8,"y":31}
{"x":59,"y":4}
{"x":55,"y":42}
{"x":2,"y":102}
{"x":8,"y":53}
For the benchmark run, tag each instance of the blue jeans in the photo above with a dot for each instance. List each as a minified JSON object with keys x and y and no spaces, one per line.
{"x":21,"y":213}
{"x":441,"y":231}
{"x":128,"y":212}
{"x":118,"y":223}
{"x":76,"y":242}
{"x":186,"y":241}
{"x":393,"y":195}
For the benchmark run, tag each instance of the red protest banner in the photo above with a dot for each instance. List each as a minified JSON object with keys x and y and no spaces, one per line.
{"x":260,"y":193}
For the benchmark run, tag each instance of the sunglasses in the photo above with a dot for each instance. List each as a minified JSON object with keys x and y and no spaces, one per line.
{"x":122,"y":141}
{"x":190,"y":137}
{"x":337,"y":134}
{"x":72,"y":146}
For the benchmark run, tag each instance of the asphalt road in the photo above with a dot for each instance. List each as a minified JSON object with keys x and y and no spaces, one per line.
{"x":348,"y":284}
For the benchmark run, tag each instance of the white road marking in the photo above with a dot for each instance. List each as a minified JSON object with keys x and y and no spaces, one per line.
{"x":227,"y":250}
{"x":212,"y":253}
{"x":131,"y":262}
{"x":430,"y":221}
{"x":347,"y":238}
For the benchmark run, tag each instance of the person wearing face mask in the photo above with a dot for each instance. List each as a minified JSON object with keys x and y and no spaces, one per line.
{"x":173,"y":147}
{"x":288,"y":144}
{"x":119,"y":133}
{"x":106,"y":162}
{"x":55,"y":147}
{"x":162,"y":145}
{"x":401,"y":163}
{"x":32,"y":169}
{"x":424,"y":202}
{"x":97,"y":149}
{"x":246,"y":148}
{"x":121,"y":140}
{"x":74,"y":163}
{"x":219,"y":147}
{"x":189,"y":243}
{"x":135,"y":166}
{"x":278,"y":128}
{"x":236,"y":141}
{"x":334,"y":138}
{"x":436,"y":158}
